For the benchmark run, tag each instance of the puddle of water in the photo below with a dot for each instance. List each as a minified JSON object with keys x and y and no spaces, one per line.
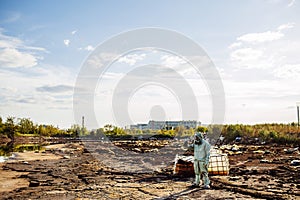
{"x":3,"y":159}
{"x":6,"y":151}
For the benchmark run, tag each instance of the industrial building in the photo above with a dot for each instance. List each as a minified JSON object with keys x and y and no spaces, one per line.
{"x":157,"y":125}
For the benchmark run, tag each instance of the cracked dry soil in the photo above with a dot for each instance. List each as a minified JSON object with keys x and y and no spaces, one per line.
{"x":69,"y":171}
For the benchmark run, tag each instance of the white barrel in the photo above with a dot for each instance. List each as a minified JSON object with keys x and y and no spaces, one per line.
{"x":218,"y":164}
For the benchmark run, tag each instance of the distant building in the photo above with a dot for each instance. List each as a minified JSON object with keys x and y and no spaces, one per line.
{"x":133,"y":126}
{"x":185,"y":123}
{"x":157,"y":125}
{"x":142,"y":126}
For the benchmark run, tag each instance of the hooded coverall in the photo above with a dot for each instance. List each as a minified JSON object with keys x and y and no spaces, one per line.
{"x":201,"y":160}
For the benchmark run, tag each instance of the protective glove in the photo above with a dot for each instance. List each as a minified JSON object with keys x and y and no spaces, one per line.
{"x":190,"y":147}
{"x":206,"y":164}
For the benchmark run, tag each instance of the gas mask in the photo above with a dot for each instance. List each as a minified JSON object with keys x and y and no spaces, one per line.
{"x":198,"y":139}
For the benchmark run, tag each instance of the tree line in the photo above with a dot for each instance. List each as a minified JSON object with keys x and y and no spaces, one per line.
{"x":273,"y":133}
{"x":13,"y":127}
{"x":269,"y":133}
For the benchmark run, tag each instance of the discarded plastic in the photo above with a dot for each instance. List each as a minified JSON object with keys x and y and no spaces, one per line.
{"x":295,"y":162}
{"x":291,"y":150}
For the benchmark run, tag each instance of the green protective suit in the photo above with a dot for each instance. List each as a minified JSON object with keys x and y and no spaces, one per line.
{"x":201,"y":160}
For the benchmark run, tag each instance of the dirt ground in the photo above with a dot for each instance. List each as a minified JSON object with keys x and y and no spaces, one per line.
{"x":71,"y":171}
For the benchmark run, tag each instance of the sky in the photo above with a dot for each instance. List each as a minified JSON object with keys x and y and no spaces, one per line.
{"x":253,"y":44}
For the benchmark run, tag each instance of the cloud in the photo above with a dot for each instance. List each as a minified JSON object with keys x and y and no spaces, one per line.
{"x":246,"y":54}
{"x":172,"y":61}
{"x":234,"y":45}
{"x":59,"y":107}
{"x":287,"y":71}
{"x":286,"y":26}
{"x":260,"y":37}
{"x":263,"y":50}
{"x":74,"y":32}
{"x":14,"y":53}
{"x":67,"y":42}
{"x":251,"y":58}
{"x":55,"y":89}
{"x":264,"y":36}
{"x":292,"y":2}
{"x":29,"y":100}
{"x":264,"y":75}
{"x":181,"y":66}
{"x":288,"y":3}
{"x":89,"y":48}
{"x":19,"y":95}
{"x":112,"y":76}
{"x":131,"y":59}
{"x":15,"y":58}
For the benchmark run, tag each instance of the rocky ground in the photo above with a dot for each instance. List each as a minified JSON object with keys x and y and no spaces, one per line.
{"x":78,"y":171}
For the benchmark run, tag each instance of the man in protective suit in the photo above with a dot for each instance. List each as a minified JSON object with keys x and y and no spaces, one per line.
{"x":201,"y":160}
